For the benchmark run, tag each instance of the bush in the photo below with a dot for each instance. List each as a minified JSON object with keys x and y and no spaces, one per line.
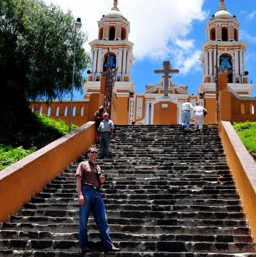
{"x":16,"y":145}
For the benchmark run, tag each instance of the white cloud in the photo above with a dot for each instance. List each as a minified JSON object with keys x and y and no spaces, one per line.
{"x":154,"y":24}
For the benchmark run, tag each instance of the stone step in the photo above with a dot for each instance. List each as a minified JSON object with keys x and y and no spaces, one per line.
{"x":72,"y":203}
{"x":123,"y":236}
{"x":129,"y":207}
{"x":162,"y":246}
{"x":167,"y":194}
{"x":126,"y":228}
{"x":68,"y":253}
{"x":183,"y":225}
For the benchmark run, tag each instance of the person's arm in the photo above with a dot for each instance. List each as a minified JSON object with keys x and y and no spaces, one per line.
{"x":112,"y":129}
{"x":80,"y":196}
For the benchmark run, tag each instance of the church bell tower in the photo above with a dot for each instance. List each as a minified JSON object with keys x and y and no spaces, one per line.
{"x":224,"y":52}
{"x":112,"y":47}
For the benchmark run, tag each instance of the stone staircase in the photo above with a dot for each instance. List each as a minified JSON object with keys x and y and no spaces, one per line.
{"x":168,"y":193}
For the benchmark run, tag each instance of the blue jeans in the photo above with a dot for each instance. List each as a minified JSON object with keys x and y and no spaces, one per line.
{"x":93,"y":203}
{"x":186,"y":119}
{"x":104,"y":144}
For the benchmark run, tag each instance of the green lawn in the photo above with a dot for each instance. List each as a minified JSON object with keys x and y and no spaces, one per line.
{"x":247,"y":133}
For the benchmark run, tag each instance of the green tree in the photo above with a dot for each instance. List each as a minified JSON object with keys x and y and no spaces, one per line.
{"x":36,"y":57}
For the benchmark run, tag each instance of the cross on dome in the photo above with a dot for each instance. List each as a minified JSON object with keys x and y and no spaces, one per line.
{"x":115,"y":6}
{"x":222,"y":5}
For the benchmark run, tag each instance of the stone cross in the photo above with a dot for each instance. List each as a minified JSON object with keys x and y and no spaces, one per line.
{"x":166,"y":71}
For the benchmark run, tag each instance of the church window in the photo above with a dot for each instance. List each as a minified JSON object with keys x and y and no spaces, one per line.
{"x":226,"y":63}
{"x":57,"y":111}
{"x":82,"y":111}
{"x":123,"y":34}
{"x":112,"y":33}
{"x":101,"y":34}
{"x":66,"y":111}
{"x":224,"y":33}
{"x":112,"y":62}
{"x":235,"y":34}
{"x":252,"y":108}
{"x":74,"y":111}
{"x":212,"y":34}
{"x":49,"y":111}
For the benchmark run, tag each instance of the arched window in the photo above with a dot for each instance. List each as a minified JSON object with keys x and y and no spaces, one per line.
{"x":112,"y":32}
{"x":111,"y":60}
{"x":224,"y":35}
{"x":74,"y":111}
{"x":66,"y":111}
{"x":123,"y":34}
{"x":226,"y":63}
{"x":41,"y":110}
{"x":82,"y":111}
{"x":252,"y":110}
{"x":235,"y":34}
{"x":101,"y":34}
{"x":49,"y":111}
{"x":212,"y":34}
{"x":57,"y":111}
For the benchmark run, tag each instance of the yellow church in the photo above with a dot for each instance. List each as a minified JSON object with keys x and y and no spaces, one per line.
{"x":224,"y":87}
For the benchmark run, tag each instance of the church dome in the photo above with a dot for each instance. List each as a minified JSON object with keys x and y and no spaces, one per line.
{"x":223,"y":14}
{"x":114,"y":14}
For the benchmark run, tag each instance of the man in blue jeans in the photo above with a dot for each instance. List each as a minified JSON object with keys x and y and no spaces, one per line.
{"x":186,"y":108}
{"x":89,"y":180}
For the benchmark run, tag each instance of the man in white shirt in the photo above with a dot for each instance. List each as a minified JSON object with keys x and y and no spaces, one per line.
{"x":106,"y":131}
{"x":186,"y":108}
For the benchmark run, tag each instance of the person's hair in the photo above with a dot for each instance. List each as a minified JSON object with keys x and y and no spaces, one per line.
{"x":92,"y":147}
{"x":105,"y":113}
{"x":101,"y":108}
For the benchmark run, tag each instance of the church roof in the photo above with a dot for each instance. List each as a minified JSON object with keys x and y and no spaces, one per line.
{"x":114,"y":12}
{"x":222,"y":11}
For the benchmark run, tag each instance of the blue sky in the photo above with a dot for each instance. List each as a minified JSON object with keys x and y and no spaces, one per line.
{"x":168,"y":30}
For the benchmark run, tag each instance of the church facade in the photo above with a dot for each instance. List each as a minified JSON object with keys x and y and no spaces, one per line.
{"x":109,"y":78}
{"x":223,"y":52}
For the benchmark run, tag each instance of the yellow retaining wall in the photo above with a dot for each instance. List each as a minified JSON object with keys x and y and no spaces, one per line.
{"x":25,"y":178}
{"x":243,"y":168}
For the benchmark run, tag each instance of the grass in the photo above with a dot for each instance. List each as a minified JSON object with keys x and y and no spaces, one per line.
{"x":247,"y":131}
{"x":15,"y":146}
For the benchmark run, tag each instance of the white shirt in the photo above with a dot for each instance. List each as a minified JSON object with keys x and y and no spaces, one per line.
{"x":187,"y":106}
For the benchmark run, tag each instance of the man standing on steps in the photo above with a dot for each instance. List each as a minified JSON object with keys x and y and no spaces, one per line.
{"x":186,"y":108}
{"x":106,"y":132}
{"x":89,"y":180}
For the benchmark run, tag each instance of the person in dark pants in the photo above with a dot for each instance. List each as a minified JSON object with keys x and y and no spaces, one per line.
{"x":98,"y":117}
{"x":106,"y":132}
{"x":89,"y":180}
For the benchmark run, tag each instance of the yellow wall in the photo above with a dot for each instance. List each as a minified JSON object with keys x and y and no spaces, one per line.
{"x":122,"y":110}
{"x":243,"y":169}
{"x":165,"y":113}
{"x":25,"y":178}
